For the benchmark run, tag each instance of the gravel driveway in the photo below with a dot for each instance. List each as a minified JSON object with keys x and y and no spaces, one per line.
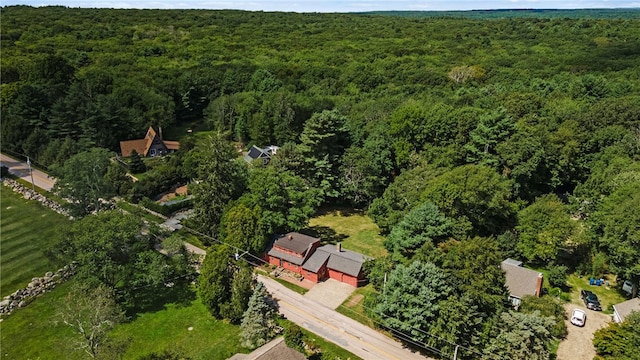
{"x":578,"y":343}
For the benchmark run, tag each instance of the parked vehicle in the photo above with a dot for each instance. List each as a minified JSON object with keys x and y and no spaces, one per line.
{"x":590,"y":300}
{"x":578,"y":317}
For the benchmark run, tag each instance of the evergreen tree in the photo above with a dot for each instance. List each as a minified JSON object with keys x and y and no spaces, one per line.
{"x":215,"y":279}
{"x":241,"y":287}
{"x":258,"y":322}
{"x":136,"y":165}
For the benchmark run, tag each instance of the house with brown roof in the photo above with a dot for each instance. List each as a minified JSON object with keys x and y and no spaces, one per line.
{"x":303,"y":254}
{"x":521,"y":281}
{"x":151,"y":145}
{"x":275,"y":349}
{"x":622,"y":310}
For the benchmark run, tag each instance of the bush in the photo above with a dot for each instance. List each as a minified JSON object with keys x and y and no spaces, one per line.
{"x":165,"y":210}
{"x":558,"y":275}
{"x":293,"y":337}
{"x":547,"y":306}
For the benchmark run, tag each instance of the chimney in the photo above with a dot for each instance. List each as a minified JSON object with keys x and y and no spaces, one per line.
{"x":539,"y":285}
{"x":290,"y":237}
{"x":160,"y":132}
{"x":339,"y":247}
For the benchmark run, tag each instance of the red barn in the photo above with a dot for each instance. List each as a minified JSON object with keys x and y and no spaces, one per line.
{"x":302,"y":254}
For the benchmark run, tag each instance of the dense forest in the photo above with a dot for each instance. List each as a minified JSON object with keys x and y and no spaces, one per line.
{"x":467,"y":140}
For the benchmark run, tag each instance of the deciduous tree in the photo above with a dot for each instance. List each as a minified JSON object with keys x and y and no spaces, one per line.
{"x":82,"y":180}
{"x":423,"y":225}
{"x":92,"y":313}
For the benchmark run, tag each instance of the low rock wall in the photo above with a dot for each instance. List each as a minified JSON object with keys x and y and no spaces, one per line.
{"x":37,"y":286}
{"x":33,"y":195}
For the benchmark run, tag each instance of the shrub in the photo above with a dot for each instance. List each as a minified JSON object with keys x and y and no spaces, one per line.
{"x":558,"y":275}
{"x":547,"y":306}
{"x":293,"y":337}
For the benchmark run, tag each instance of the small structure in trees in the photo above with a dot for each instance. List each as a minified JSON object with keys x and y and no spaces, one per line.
{"x":260,"y":153}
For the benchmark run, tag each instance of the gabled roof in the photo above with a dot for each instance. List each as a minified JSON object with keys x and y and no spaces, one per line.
{"x":344,"y":261}
{"x":315,"y":261}
{"x":295,"y":242}
{"x":625,"y":308}
{"x":142,"y":146}
{"x":519,"y":280}
{"x":258,"y":153}
{"x":139,"y":145}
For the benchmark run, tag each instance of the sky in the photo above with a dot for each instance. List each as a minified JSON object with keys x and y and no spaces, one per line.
{"x":333,"y":5}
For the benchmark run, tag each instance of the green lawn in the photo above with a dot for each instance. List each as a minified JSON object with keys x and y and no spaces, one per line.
{"x":353,"y":307}
{"x":607,"y":296}
{"x":353,"y":228}
{"x":33,"y":333}
{"x":26,"y":229}
{"x":168,"y":329}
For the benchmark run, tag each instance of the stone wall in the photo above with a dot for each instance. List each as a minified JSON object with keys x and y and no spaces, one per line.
{"x":33,"y":195}
{"x":37,"y":286}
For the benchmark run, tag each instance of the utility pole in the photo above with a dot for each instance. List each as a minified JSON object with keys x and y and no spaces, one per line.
{"x":33,"y":185}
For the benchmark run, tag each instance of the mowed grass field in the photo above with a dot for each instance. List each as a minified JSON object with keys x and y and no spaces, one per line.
{"x":355,"y":230}
{"x":26,"y":229}
{"x":36,"y":332}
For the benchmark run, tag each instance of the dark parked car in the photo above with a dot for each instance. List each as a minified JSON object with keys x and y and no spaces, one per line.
{"x":590,"y":300}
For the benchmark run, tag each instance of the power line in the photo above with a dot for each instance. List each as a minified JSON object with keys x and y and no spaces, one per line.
{"x":398,"y":334}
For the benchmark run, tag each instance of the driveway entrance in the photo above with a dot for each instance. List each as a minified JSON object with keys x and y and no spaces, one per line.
{"x":330,"y":293}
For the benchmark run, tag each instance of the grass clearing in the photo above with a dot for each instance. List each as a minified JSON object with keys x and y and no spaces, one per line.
{"x":299,"y":289}
{"x":353,"y":228}
{"x":168,"y":330}
{"x":34,"y":333}
{"x":353,"y":307}
{"x":26,"y":229}
{"x":189,"y":237}
{"x":608,"y":296}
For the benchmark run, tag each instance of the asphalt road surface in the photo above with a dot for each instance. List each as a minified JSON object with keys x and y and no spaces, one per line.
{"x":21,"y":170}
{"x":347,"y":333}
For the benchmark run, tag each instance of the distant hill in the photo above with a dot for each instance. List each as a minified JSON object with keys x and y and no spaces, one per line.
{"x":628,"y":13}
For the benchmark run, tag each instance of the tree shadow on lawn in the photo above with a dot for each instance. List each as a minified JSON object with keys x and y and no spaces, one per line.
{"x":326,"y":234}
{"x":338,"y":210}
{"x":181,"y":294}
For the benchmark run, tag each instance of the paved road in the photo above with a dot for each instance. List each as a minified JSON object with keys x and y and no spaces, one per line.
{"x":347,"y":333}
{"x":21,"y":170}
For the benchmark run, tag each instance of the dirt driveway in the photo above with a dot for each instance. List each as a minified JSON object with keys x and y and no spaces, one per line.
{"x":578,"y":343}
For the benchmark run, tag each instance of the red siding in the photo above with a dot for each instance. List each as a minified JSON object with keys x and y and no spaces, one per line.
{"x":322,"y":274}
